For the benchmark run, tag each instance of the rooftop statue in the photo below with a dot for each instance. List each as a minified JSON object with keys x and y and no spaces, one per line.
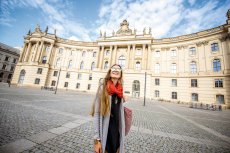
{"x":124,"y":29}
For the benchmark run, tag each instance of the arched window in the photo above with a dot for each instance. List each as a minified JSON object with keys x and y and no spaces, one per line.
{"x":44,"y":59}
{"x":193,"y":67}
{"x":107,"y":52}
{"x":94,"y":54}
{"x":157,"y":68}
{"x":21,"y":77}
{"x":70,"y":64}
{"x":93,"y":66}
{"x":121,"y":61}
{"x":60,"y":51}
{"x":58,"y":62}
{"x":216,"y":65}
{"x":138,"y":65}
{"x":83,"y":54}
{"x":157,"y":53}
{"x":173,"y":68}
{"x":106,"y":65}
{"x":82,"y":65}
{"x":1,"y":75}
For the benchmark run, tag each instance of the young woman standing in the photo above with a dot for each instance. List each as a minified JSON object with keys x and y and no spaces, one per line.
{"x":108,"y":113}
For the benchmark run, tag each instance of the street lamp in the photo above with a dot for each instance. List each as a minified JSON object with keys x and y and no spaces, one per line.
{"x":58,"y":80}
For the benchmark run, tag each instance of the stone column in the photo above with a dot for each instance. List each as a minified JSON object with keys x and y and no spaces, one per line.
{"x":98,"y":56}
{"x":101,"y":57}
{"x":39,"y":51}
{"x":35,"y":51}
{"x":27,"y":52}
{"x":111,"y":55}
{"x":128,"y":59}
{"x":23,"y":52}
{"x":50,"y":53}
{"x":132,"y":52}
{"x":149,"y":58}
{"x":143,"y":59}
{"x":114,"y":55}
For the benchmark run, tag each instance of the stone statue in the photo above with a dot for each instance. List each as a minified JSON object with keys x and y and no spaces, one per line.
{"x":150,"y":31}
{"x":124,"y":29}
{"x":46,"y":31}
{"x":113,"y":33}
{"x":55,"y":31}
{"x":104,"y":34}
{"x":37,"y":29}
{"x":100,"y":33}
{"x":144,"y":31}
{"x":29,"y":32}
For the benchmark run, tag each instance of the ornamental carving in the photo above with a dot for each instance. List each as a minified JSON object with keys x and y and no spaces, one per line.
{"x":124,"y":29}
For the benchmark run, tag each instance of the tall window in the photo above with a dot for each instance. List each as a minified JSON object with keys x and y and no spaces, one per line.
{"x":106,"y":65}
{"x":194,"y":97}
{"x":37,"y":81}
{"x":83,"y":53}
{"x":174,"y":95}
{"x":70,"y":64}
{"x":192,"y":51}
{"x":89,"y":86}
{"x":66,"y":84}
{"x":4,"y":66}
{"x":39,"y":71}
{"x":47,"y":48}
{"x":12,"y":68}
{"x":157,"y":54}
{"x":121,"y":61}
{"x":79,"y":76}
{"x":55,"y":73}
{"x":173,"y":68}
{"x":58,"y":62}
{"x":138,"y":52}
{"x":157,"y":82}
{"x":157,"y":93}
{"x":60,"y":51}
{"x":216,"y":65}
{"x":174,"y":82}
{"x":44,"y":59}
{"x":138,"y":65}
{"x":94,"y":54}
{"x":1,"y":75}
{"x":93,"y":66}
{"x":193,"y":67}
{"x":82,"y":65}
{"x":218,"y":83}
{"x":7,"y":58}
{"x":106,"y":52}
{"x":214,"y":47}
{"x":193,"y":82}
{"x":157,"y":68}
{"x":9,"y":76}
{"x":90,"y":76}
{"x":220,"y":99}
{"x":15,"y":60}
{"x":53,"y":83}
{"x":78,"y":85}
{"x":173,"y":53}
{"x":68,"y":75}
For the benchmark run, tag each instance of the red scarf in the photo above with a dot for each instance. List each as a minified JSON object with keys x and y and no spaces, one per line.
{"x":112,"y":89}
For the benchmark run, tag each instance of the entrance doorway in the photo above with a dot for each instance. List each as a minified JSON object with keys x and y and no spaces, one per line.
{"x":136,"y":89}
{"x":22,"y":76}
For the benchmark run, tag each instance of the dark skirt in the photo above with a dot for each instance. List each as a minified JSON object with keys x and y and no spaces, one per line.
{"x":113,"y":137}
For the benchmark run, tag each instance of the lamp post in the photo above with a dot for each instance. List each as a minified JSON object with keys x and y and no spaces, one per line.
{"x":145,"y":89}
{"x":58,"y":80}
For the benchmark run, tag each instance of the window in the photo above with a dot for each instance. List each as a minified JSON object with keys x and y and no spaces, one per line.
{"x":68,"y":75}
{"x":53,"y":83}
{"x":218,"y":83}
{"x":106,"y":52}
{"x":157,"y":82}
{"x":7,"y":58}
{"x":47,"y":48}
{"x":93,"y":66}
{"x":192,"y":51}
{"x":121,"y":61}
{"x":89,"y":86}
{"x":39,"y":71}
{"x":12,"y":68}
{"x":216,"y":65}
{"x":9,"y":76}
{"x":44,"y":59}
{"x":4,"y":66}
{"x":70,"y":64}
{"x":78,"y":85}
{"x":174,"y":82}
{"x":220,"y":99}
{"x":82,"y":65}
{"x":79,"y":76}
{"x":157,"y":93}
{"x":15,"y":60}
{"x":214,"y":47}
{"x":174,"y":95}
{"x":173,"y":68}
{"x":138,"y":65}
{"x":66,"y":84}
{"x":90,"y":76}
{"x":94,"y":54}
{"x":157,"y":54}
{"x":83,"y":54}
{"x":157,"y":68}
{"x":60,"y":50}
{"x":193,"y":67}
{"x":55,"y":73}
{"x":37,"y":81}
{"x":1,"y":75}
{"x":138,"y":52}
{"x":193,"y":82}
{"x":1,"y":55}
{"x":173,"y":53}
{"x":58,"y":62}
{"x":106,"y":65}
{"x":71,"y":52}
{"x":194,"y":97}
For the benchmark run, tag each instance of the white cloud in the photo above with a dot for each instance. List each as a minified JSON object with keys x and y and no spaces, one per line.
{"x":74,"y":38}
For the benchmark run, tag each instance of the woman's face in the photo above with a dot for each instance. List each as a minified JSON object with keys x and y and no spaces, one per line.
{"x":115,"y":72}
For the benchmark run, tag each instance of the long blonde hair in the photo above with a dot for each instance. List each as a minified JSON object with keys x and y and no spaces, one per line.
{"x":104,"y":96}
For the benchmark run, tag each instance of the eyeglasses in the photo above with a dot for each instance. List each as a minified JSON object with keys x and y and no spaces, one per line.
{"x":116,"y":69}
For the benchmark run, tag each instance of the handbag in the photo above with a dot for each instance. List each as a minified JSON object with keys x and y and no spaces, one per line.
{"x":128,"y":119}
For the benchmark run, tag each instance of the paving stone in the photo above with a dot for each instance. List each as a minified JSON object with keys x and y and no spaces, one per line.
{"x":41,"y":137}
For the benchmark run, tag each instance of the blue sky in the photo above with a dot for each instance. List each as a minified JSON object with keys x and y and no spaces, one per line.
{"x":83,"y":19}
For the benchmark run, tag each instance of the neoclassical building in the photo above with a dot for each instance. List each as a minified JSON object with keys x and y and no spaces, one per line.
{"x":187,"y":68}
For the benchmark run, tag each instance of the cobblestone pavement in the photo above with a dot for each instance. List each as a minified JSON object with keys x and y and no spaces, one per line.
{"x":33,"y":120}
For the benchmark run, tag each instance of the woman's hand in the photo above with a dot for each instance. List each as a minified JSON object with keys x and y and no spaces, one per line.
{"x":97,"y":147}
{"x":125,"y":98}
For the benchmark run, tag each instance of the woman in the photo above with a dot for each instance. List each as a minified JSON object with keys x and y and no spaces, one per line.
{"x":108,"y":112}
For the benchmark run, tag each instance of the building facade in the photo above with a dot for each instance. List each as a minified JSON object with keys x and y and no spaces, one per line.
{"x":187,"y":68}
{"x":8,"y":59}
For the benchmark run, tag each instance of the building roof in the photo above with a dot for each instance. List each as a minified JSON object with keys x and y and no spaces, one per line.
{"x":9,"y":48}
